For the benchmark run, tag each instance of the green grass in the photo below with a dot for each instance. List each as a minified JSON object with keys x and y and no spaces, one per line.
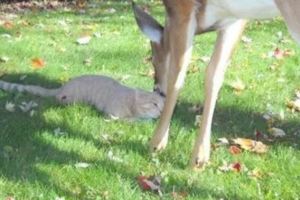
{"x":37,"y":164}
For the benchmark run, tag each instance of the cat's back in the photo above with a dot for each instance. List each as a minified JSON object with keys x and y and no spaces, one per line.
{"x":93,"y":83}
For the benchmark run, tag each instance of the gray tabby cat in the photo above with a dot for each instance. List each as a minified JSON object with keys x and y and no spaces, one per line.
{"x":104,"y":93}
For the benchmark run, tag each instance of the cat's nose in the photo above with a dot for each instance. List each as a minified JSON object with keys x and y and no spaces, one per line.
{"x":159,"y":91}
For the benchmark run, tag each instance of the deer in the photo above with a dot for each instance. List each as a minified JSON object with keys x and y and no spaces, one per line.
{"x":172,"y":46}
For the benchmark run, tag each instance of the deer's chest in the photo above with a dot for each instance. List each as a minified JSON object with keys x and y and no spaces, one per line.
{"x":218,"y":13}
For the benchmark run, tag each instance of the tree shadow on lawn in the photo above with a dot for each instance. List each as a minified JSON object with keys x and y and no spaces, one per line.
{"x":21,"y":148}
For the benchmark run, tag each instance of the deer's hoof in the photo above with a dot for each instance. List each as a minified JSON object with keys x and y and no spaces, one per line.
{"x":158,"y":144}
{"x":198,"y":164}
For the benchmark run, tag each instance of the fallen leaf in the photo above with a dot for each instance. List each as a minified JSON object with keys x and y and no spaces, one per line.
{"x":87,"y":61}
{"x":246,"y":40}
{"x":222,"y":141}
{"x":288,"y":53}
{"x":111,"y":10}
{"x":179,"y":195}
{"x":106,"y":138}
{"x":37,"y":63}
{"x":234,"y":150}
{"x":24,"y":23}
{"x":294,"y":105}
{"x":151,"y":183}
{"x":59,"y":132}
{"x":278,"y":53}
{"x":82,"y":165}
{"x":149,"y":73}
{"x":59,"y":198}
{"x":10,"y":198}
{"x":62,"y":23}
{"x":6,"y":35}
{"x":32,"y":113}
{"x":256,"y":173}
{"x":251,"y":145}
{"x":4,"y":59}
{"x":97,"y":34}
{"x":124,"y":77}
{"x":27,"y":106}
{"x":8,"y":25}
{"x":235,"y":167}
{"x":84,"y":40}
{"x":277,"y":132}
{"x":113,"y":157}
{"x":198,"y":119}
{"x":10,"y":107}
{"x":195,"y":108}
{"x":238,"y":85}
{"x":193,"y":69}
{"x":205,"y":59}
{"x":258,"y":135}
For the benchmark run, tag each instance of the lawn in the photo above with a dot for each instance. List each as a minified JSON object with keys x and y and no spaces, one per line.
{"x":75,"y":152}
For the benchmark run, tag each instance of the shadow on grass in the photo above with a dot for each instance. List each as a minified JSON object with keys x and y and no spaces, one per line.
{"x":21,"y":149}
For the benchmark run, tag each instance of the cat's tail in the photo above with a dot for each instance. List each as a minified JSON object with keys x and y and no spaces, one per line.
{"x":32,"y":89}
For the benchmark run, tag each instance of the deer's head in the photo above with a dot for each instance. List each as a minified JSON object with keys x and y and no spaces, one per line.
{"x":155,"y":32}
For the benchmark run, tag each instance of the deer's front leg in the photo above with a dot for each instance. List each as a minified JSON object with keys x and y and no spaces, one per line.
{"x":180,"y":33}
{"x":226,"y":41}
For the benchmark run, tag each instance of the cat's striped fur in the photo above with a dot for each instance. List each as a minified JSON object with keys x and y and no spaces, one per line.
{"x":104,"y":93}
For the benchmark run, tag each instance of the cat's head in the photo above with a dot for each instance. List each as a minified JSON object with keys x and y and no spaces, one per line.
{"x":148,"y":104}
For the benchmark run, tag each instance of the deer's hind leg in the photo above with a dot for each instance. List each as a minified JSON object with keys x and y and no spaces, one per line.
{"x":290,"y":10}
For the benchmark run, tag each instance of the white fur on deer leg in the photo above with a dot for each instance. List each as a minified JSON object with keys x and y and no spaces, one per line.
{"x":181,"y":76}
{"x":159,"y":142}
{"x":164,"y":84}
{"x":226,"y":40}
{"x":201,"y":154}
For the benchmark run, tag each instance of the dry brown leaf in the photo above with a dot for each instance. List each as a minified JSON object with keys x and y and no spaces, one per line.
{"x":37,"y":63}
{"x":251,"y":145}
{"x":193,"y":69}
{"x":150,"y":183}
{"x":238,"y":85}
{"x":10,"y":198}
{"x":8,"y":25}
{"x":256,"y":173}
{"x":234,"y":150}
{"x":149,"y":73}
{"x":236,"y":167}
{"x":280,"y":54}
{"x":294,"y":105}
{"x":179,"y":195}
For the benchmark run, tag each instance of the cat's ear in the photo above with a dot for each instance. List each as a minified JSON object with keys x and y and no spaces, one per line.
{"x":147,"y":24}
